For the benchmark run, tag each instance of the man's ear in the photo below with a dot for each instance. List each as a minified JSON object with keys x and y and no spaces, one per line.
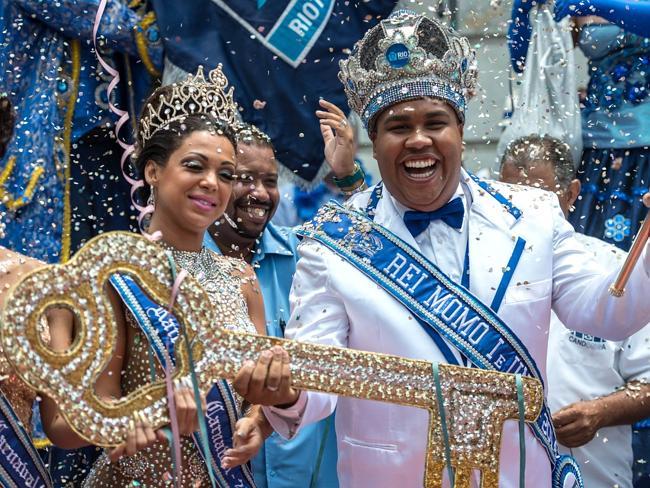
{"x":572,"y":192}
{"x":372,"y":135}
{"x":151,"y":173}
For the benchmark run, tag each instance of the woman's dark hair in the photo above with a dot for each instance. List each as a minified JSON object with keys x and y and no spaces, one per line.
{"x":7,"y":121}
{"x":169,"y":138}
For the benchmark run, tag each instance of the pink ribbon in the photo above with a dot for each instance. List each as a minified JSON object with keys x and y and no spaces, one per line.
{"x":173,"y":420}
{"x":173,"y":417}
{"x":175,"y":289}
{"x":123,"y":118}
{"x":143,"y":211}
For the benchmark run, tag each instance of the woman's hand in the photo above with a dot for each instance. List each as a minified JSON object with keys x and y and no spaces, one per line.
{"x":186,"y":411}
{"x":247,"y":440}
{"x":338,"y":137}
{"x":267,"y":382}
{"x":139,"y":437}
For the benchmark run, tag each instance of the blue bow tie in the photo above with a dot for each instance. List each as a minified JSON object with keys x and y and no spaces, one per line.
{"x":450,"y":213}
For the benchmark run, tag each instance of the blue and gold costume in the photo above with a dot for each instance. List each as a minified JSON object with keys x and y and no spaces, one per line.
{"x":60,"y":180}
{"x":615,"y":170}
{"x":50,"y":73}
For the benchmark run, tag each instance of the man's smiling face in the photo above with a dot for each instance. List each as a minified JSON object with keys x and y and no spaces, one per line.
{"x":418,"y":146}
{"x":255,"y":195}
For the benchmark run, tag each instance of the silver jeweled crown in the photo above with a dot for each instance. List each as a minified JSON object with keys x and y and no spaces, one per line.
{"x":195,"y":95}
{"x":404,"y":57}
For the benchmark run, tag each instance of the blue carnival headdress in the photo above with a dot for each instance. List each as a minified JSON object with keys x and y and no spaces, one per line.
{"x":404,"y":57}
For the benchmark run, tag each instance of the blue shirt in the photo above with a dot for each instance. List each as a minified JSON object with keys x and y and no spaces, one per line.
{"x":281,"y":463}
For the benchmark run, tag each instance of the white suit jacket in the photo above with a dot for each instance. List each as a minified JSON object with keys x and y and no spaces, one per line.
{"x":382,"y":444}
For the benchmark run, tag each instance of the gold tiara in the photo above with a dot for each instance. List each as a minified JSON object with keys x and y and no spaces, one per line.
{"x":194,"y":96}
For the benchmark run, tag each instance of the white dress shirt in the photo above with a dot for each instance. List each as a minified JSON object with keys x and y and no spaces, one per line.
{"x":441,"y":244}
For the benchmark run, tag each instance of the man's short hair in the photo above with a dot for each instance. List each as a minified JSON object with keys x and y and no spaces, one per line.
{"x":527,"y":151}
{"x":252,"y":135}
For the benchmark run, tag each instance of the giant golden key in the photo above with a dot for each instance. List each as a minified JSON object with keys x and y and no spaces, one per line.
{"x":476,"y":402}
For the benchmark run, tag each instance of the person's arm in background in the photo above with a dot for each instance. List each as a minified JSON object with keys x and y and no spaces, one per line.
{"x":519,"y":32}
{"x":340,"y":149}
{"x":62,"y":331}
{"x":631,"y":15}
{"x":121,"y":28}
{"x":577,"y":424}
{"x":108,"y":387}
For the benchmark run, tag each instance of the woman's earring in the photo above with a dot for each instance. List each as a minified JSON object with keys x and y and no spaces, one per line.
{"x":151,"y":201}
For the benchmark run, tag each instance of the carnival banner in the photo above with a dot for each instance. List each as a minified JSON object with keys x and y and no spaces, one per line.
{"x":281,"y":57}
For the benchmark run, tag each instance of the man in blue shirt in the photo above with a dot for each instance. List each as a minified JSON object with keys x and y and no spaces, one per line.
{"x":246,"y":232}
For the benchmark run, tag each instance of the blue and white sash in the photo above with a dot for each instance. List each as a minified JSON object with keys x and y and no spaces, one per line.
{"x":437,"y":302}
{"x":162,"y":329}
{"x":20,"y":463}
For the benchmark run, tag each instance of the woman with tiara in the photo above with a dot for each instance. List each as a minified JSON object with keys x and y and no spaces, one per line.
{"x":16,"y":398}
{"x":186,"y":156}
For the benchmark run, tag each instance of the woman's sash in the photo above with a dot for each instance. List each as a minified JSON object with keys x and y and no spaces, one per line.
{"x":20,"y":463}
{"x":431,"y":296}
{"x":162,"y":329}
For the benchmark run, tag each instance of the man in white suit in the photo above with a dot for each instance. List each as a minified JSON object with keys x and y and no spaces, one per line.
{"x":408,"y":79}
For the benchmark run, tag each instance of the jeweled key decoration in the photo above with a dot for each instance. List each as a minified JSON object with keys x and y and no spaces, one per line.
{"x":476,"y":402}
{"x":79,"y":285}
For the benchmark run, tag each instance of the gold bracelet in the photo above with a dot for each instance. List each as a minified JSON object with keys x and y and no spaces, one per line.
{"x":351,"y":180}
